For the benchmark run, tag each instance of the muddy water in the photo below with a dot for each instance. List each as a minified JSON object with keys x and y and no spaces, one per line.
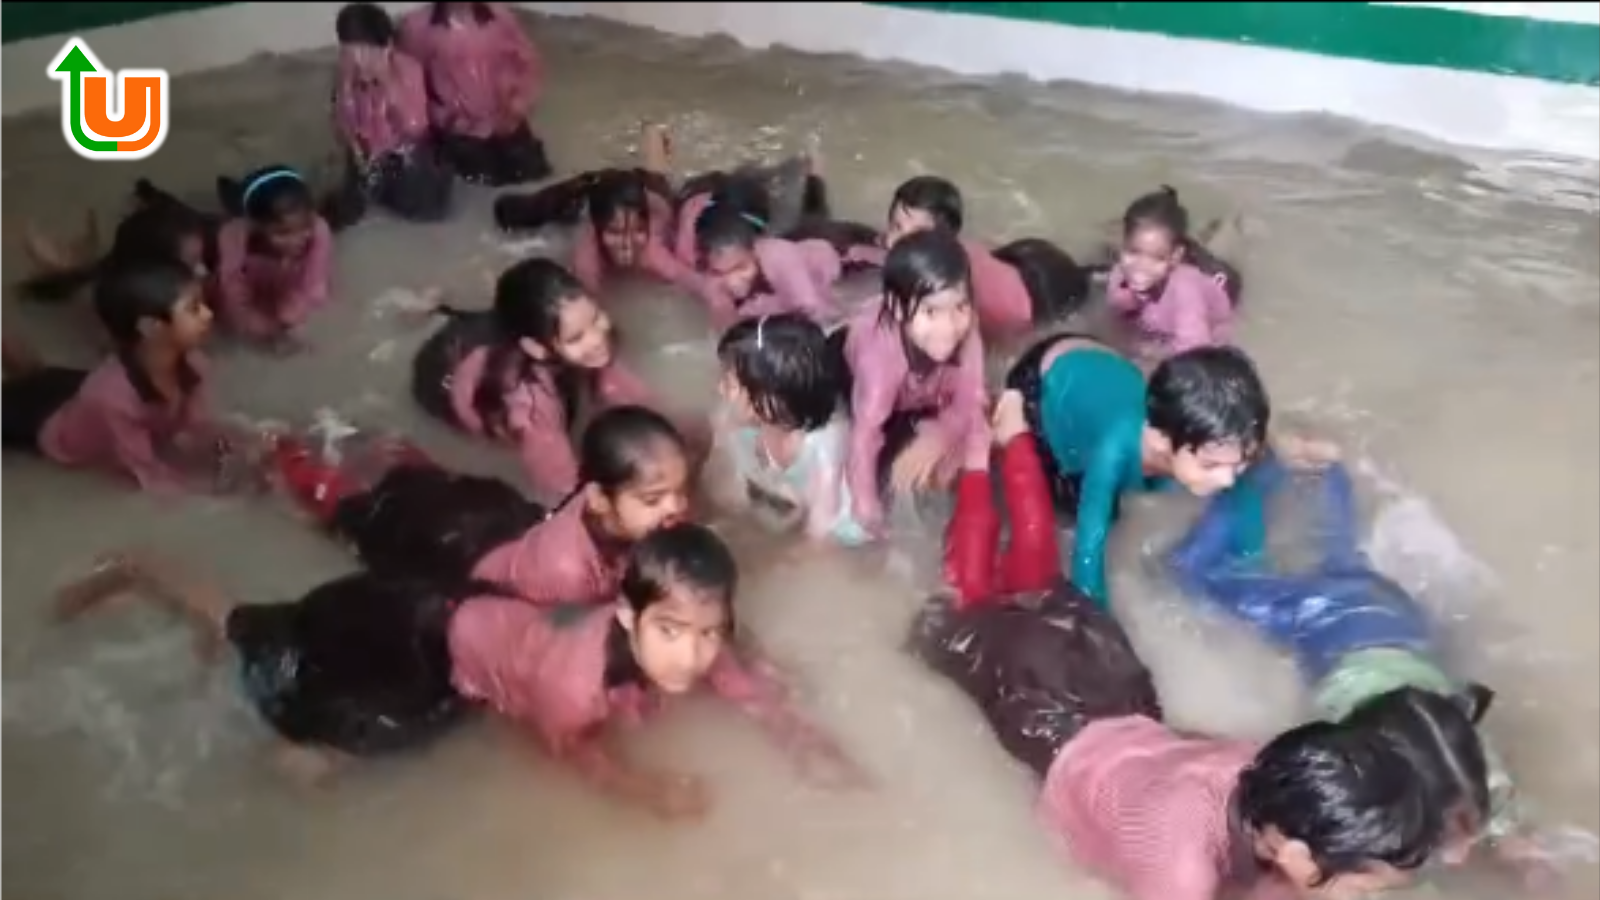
{"x":1438,"y":316}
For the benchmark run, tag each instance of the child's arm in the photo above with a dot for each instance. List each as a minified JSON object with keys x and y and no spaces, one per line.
{"x":311,"y":289}
{"x":523,"y":75}
{"x":1191,"y":312}
{"x":235,"y":299}
{"x":688,"y":214}
{"x":539,"y":423}
{"x":872,"y":399}
{"x":408,"y":96}
{"x":818,"y":756}
{"x":1102,"y":484}
{"x":794,"y":289}
{"x":1118,"y":296}
{"x":135,"y":452}
{"x":965,"y":410}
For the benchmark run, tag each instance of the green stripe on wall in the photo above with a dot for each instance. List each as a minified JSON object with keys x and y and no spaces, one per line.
{"x":1402,"y":35}
{"x":22,"y":21}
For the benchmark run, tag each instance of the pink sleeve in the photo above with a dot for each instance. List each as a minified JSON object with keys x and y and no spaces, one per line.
{"x":617,"y":385}
{"x":586,"y":262}
{"x":794,"y":284}
{"x":969,"y":396}
{"x":822,"y":497}
{"x":688,"y":214}
{"x":233,"y":295}
{"x":1191,"y":301}
{"x":523,"y":75}
{"x":1118,"y":296}
{"x":346,"y":114}
{"x":135,"y":452}
{"x":408,"y":96}
{"x":1002,"y":297}
{"x":464,"y":390}
{"x":540,"y":425}
{"x":413,"y":36}
{"x":878,"y":376}
{"x":311,"y":288}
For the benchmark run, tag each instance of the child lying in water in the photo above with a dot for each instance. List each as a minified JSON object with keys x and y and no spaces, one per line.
{"x":373,"y":664}
{"x":1321,"y":810}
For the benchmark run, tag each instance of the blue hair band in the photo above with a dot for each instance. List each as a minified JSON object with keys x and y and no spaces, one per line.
{"x":265,"y":178}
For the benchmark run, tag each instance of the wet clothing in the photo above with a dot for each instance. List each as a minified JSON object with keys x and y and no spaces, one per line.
{"x":258,"y":295}
{"x":1354,"y":632}
{"x":589,"y":260}
{"x":811,"y":489}
{"x":514,"y":156}
{"x":999,"y":294}
{"x":383,"y":122}
{"x":1190,"y":309}
{"x":796,"y":277}
{"x":974,"y":564}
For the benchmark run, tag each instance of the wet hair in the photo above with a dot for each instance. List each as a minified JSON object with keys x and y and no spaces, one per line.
{"x":1161,"y":209}
{"x":618,"y":443}
{"x":364,"y":24}
{"x":1438,"y":734}
{"x":786,"y":368}
{"x":1348,"y":794}
{"x":1057,"y":286}
{"x":126,"y":295}
{"x":528,"y":298}
{"x":937,"y":197}
{"x":603,"y":194}
{"x":683,"y":554}
{"x":919,"y":266}
{"x":266,"y":195}
{"x":154,"y":231}
{"x":1209,"y":395}
{"x":739,"y":211}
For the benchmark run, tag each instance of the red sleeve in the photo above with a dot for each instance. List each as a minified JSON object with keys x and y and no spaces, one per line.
{"x":970,"y":540}
{"x":1030,"y":562}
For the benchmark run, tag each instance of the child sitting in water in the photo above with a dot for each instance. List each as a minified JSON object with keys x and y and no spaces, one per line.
{"x":518,"y":373}
{"x":1178,"y":294}
{"x":915,"y":371}
{"x":402,"y":513}
{"x":1024,"y":283}
{"x":380,"y":105}
{"x":376,"y":663}
{"x":780,"y":381}
{"x":484,"y":78}
{"x":274,"y":257}
{"x":1355,"y":633}
{"x":143,"y":412}
{"x":1200,"y":422}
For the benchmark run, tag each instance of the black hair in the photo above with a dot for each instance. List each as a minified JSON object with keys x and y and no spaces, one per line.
{"x":786,"y":368}
{"x":366,"y":24}
{"x":1057,"y":286}
{"x":439,"y":14}
{"x":619,"y":441}
{"x":126,"y":295}
{"x":918,"y":266}
{"x":739,"y":211}
{"x":266,"y":195}
{"x":603,"y":194}
{"x":1161,"y":209}
{"x":683,"y":554}
{"x":1348,"y":794}
{"x":152,"y":232}
{"x":1438,"y":734}
{"x":937,"y":197}
{"x":528,"y":298}
{"x":1209,"y":395}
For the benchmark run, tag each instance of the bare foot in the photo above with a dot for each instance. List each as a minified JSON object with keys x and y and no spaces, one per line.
{"x":655,"y":147}
{"x":43,"y":252}
{"x":112,"y":575}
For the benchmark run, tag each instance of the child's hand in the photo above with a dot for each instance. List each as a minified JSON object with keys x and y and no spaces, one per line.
{"x":1305,"y":454}
{"x":1009,"y":419}
{"x":675,"y":797}
{"x":1534,"y":867}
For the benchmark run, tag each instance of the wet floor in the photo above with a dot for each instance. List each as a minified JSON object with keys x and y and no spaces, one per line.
{"x":1441,"y":318}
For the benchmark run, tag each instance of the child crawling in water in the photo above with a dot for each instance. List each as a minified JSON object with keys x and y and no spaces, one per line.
{"x":372,"y":663}
{"x":1324,"y":810}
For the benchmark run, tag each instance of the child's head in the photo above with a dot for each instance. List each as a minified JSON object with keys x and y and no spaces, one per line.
{"x":1206,"y":416}
{"x":619,"y":211}
{"x":279,"y":206}
{"x":169,"y":231}
{"x":1155,"y":238}
{"x":927,"y":293}
{"x":677,"y":604}
{"x":365,"y":34}
{"x":779,"y":371}
{"x":1438,"y":734}
{"x":1336,"y":811}
{"x":551,"y":316}
{"x":155,"y":302}
{"x":924,"y":203}
{"x":726,"y":232}
{"x":633,"y":472}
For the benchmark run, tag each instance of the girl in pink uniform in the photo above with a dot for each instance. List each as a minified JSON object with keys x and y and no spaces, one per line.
{"x":376,"y":663}
{"x":519,"y":372}
{"x":380,"y":112}
{"x":143,"y":412}
{"x":484,"y":78}
{"x":274,"y":257}
{"x":1025,"y":283}
{"x":915,"y":369}
{"x":1176,"y":293}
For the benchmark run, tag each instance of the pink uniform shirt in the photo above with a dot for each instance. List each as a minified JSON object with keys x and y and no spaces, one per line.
{"x":383,"y":114}
{"x":262,"y":296}
{"x":484,"y":79}
{"x":1190,"y":310}
{"x":589,"y":264}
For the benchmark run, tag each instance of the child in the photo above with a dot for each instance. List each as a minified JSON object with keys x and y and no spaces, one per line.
{"x":1177,"y":294}
{"x":372,"y":664}
{"x":915,"y":367}
{"x":274,"y":257}
{"x":484,"y":78}
{"x":1355,"y":632}
{"x":380,"y":106}
{"x":518,"y":373}
{"x":142,"y":412}
{"x":157,"y":228}
{"x":1199,"y":423}
{"x":780,"y":382}
{"x":414,"y":516}
{"x":1027,"y":282}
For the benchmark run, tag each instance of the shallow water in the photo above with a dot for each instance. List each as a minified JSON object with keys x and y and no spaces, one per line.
{"x":1440,"y":317}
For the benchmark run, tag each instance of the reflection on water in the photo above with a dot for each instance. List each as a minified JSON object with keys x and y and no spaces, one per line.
{"x":1439,"y":315}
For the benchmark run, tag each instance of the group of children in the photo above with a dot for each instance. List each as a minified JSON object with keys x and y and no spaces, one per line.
{"x":591,"y":595}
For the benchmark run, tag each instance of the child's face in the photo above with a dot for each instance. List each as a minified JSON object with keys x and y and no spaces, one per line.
{"x":290,"y":234}
{"x":735,"y":269}
{"x":658,"y":497}
{"x":737,"y":399}
{"x":1210,"y":469}
{"x":624,"y":238}
{"x":1149,"y":255}
{"x":583,"y":338}
{"x":941,"y":323}
{"x":677,"y":639}
{"x":189,"y":323}
{"x":905,"y":221}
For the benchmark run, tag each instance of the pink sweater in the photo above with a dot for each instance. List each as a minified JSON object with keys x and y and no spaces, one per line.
{"x":262,"y":296}
{"x":801,"y":275}
{"x":483,"y":79}
{"x":1190,"y":310}
{"x":998,"y":292}
{"x":884,"y":383}
{"x":382,"y":115}
{"x":588,"y":262}
{"x":108,"y":425}
{"x":555,"y":562}
{"x":537,"y":418}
